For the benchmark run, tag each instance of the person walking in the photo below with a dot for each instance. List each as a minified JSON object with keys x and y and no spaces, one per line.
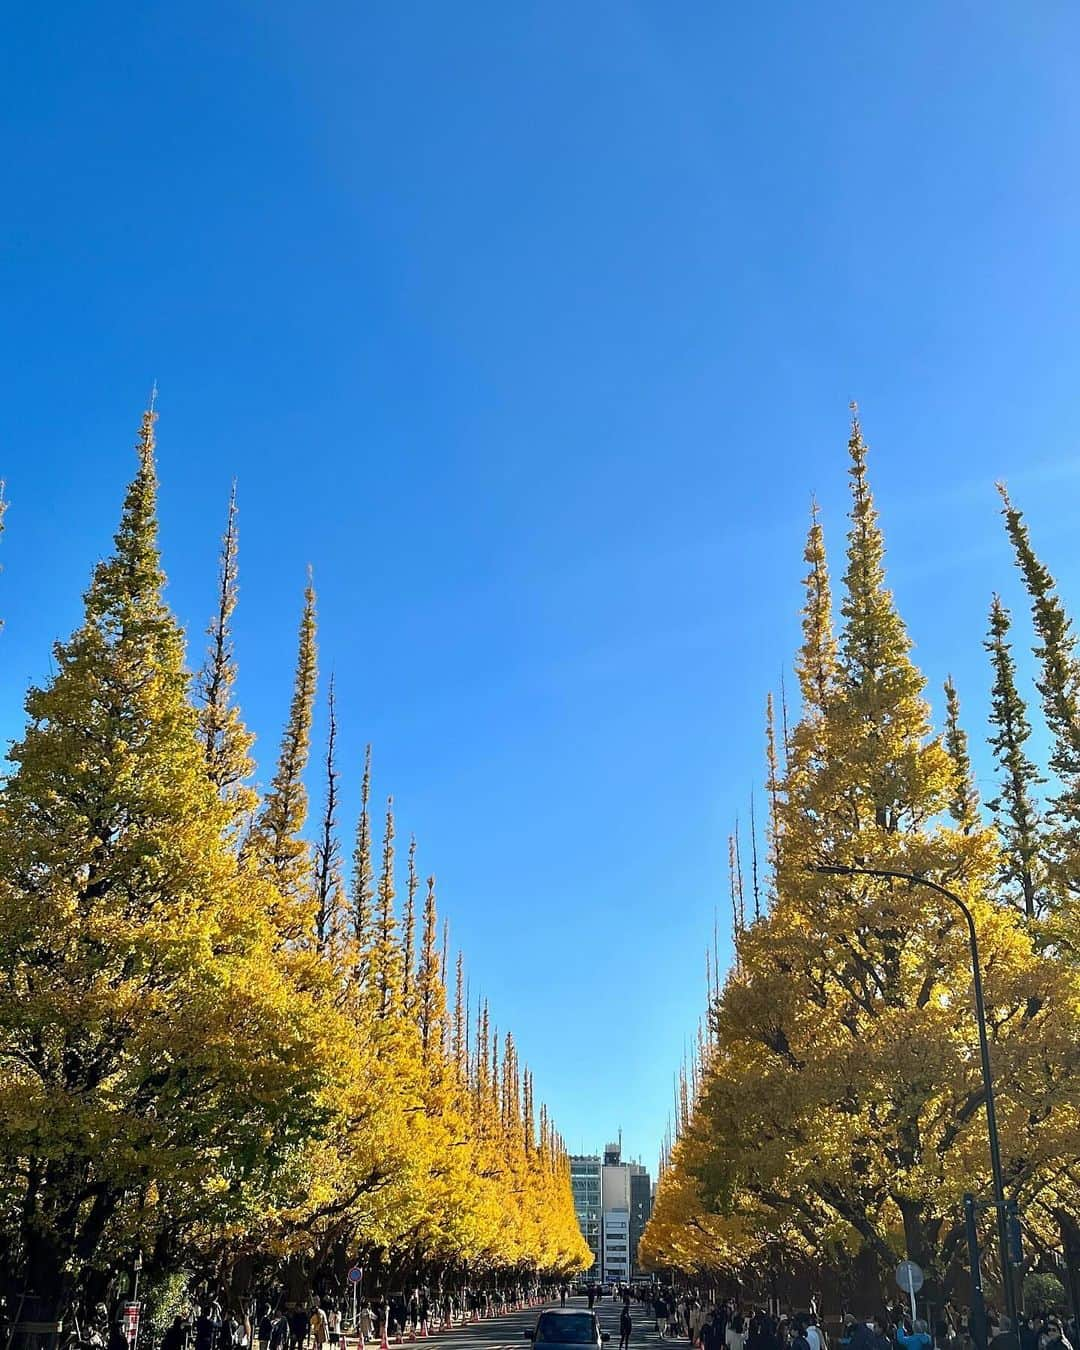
{"x":660,"y":1309}
{"x":674,"y":1320}
{"x":298,"y":1327}
{"x":1032,"y":1333}
{"x":279,"y":1336}
{"x":712,"y":1331}
{"x":735,"y":1337}
{"x":857,"y":1335}
{"x":879,"y":1336}
{"x":320,"y":1326}
{"x":208,"y":1327}
{"x":918,"y":1338}
{"x":626,"y":1326}
{"x":176,"y":1338}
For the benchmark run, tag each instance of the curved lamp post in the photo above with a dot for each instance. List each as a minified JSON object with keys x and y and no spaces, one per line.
{"x":841,"y":870}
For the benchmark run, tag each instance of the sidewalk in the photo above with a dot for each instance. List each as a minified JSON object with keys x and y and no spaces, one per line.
{"x":351,"y":1341}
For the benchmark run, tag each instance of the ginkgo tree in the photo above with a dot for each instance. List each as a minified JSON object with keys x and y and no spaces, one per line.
{"x":841,"y":1106}
{"x":213,"y":1052}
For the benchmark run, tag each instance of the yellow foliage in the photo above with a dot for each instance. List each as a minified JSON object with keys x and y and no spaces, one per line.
{"x":841,"y":1104}
{"x":186,"y":1066}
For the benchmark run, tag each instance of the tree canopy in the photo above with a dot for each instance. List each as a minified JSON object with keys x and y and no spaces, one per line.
{"x":209,"y":1053}
{"x":838,"y":1110}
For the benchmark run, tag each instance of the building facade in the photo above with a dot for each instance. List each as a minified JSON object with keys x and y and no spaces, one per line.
{"x":615,"y":1249}
{"x":640,"y":1211}
{"x":612,"y":1201}
{"x":586,"y":1171}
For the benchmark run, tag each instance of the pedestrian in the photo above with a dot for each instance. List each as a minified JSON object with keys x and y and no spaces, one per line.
{"x":279,"y":1336}
{"x":769,"y":1336}
{"x":298,"y":1327}
{"x":918,"y":1338}
{"x":625,"y":1326}
{"x":815,"y":1338}
{"x":319,"y":1326}
{"x":712,"y":1331}
{"x":880,"y":1339}
{"x":660,"y":1309}
{"x":562,"y":1296}
{"x":849,"y":1330}
{"x":176,"y":1338}
{"x":1055,"y":1336}
{"x":232,"y":1332}
{"x":735,"y":1337}
{"x":208,"y":1327}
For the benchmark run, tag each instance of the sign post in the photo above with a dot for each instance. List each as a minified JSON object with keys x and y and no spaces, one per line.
{"x":131,"y":1323}
{"x":356,"y":1274}
{"x":909,"y":1278}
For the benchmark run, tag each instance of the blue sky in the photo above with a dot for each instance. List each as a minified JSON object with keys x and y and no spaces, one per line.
{"x":532,"y":327}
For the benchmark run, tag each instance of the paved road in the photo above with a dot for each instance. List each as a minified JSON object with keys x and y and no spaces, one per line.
{"x":508,"y":1333}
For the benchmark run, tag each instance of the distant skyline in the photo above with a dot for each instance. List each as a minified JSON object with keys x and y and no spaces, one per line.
{"x":533,"y":329}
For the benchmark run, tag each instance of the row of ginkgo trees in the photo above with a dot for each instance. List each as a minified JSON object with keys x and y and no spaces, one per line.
{"x":215,"y":1050}
{"x":834,"y":1116}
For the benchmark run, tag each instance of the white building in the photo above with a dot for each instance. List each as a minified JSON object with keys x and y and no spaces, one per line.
{"x":615,"y":1245}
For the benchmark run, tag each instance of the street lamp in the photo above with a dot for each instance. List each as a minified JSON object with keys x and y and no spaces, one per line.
{"x":841,"y":870}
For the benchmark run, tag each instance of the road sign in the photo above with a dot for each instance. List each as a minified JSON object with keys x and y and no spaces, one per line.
{"x":131,"y":1323}
{"x":909,"y":1277}
{"x":355,"y":1275}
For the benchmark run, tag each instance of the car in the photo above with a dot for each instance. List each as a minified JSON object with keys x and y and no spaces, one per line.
{"x":571,"y":1327}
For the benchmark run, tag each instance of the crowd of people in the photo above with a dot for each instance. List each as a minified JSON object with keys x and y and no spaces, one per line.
{"x":725,"y":1325}
{"x":322,"y":1322}
{"x":706,"y":1323}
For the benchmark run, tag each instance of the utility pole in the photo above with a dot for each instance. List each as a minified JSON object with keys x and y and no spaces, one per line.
{"x":1007,"y":1283}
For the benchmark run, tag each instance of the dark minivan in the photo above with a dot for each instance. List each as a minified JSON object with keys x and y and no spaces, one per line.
{"x":569,"y":1327}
